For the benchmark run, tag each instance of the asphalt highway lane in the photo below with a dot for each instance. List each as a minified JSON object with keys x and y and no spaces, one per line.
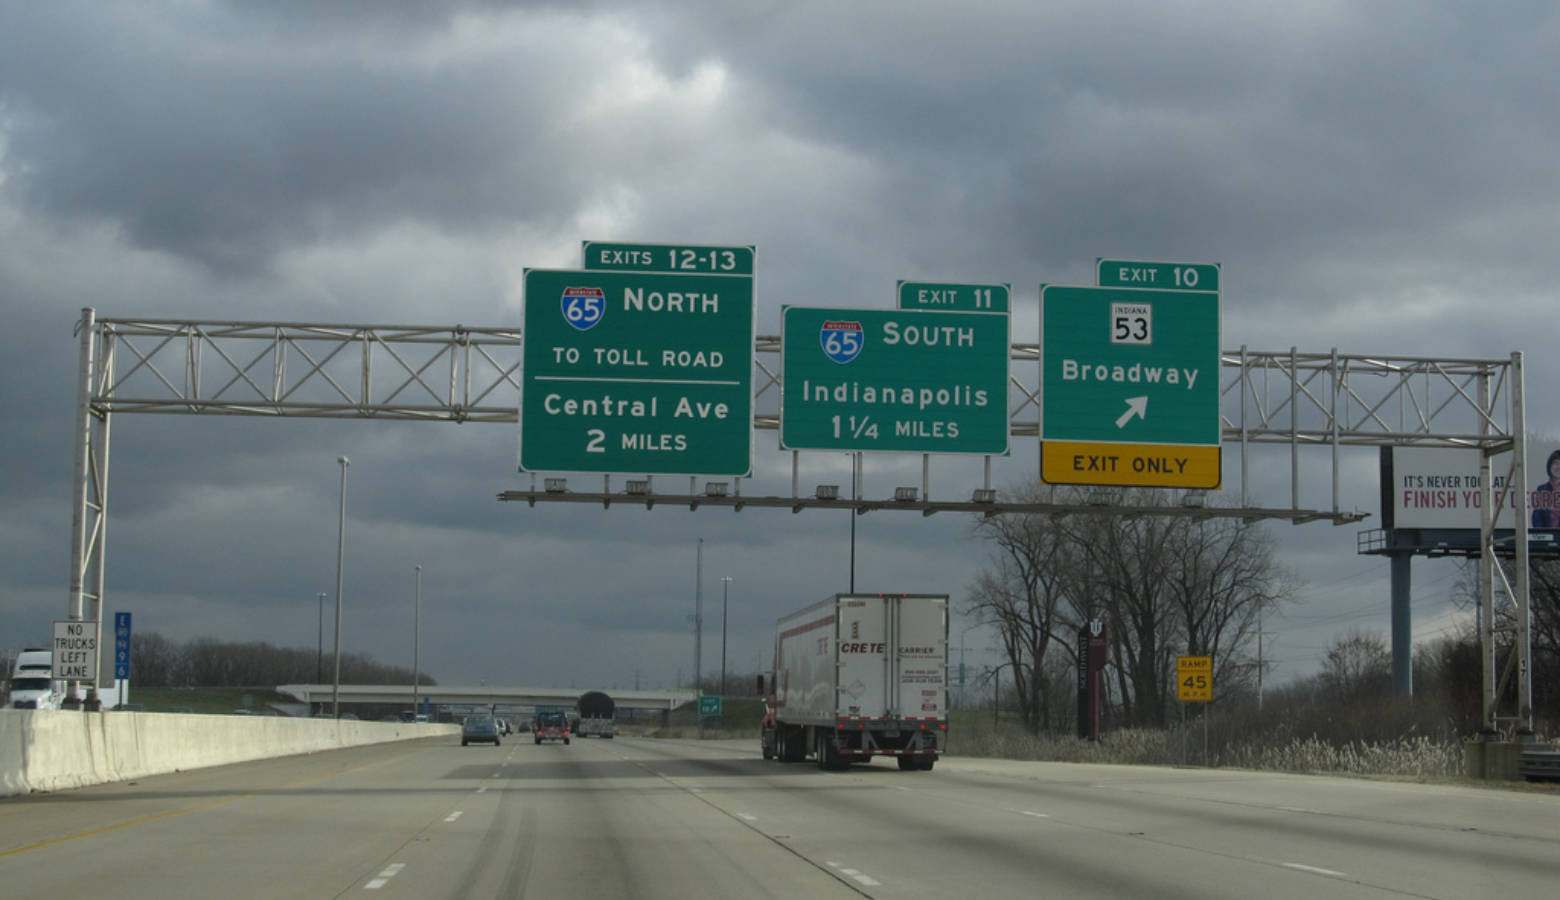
{"x":650,"y":818}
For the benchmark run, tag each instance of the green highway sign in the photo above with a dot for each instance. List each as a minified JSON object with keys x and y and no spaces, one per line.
{"x":709,"y":706}
{"x":894,"y":380}
{"x":1130,"y":387}
{"x":637,"y":372}
{"x":711,"y":260}
{"x":1166,"y":276}
{"x":947,"y":297}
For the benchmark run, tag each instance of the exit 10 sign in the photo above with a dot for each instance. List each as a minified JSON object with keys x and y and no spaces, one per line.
{"x":1130,"y":387}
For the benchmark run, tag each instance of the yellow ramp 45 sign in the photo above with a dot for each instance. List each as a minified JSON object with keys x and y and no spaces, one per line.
{"x":1194,"y":678}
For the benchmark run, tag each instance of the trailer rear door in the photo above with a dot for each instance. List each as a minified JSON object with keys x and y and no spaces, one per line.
{"x":921,"y":657}
{"x":864,"y":678}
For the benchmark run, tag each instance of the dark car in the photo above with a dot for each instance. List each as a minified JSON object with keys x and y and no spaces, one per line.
{"x":480,"y":729}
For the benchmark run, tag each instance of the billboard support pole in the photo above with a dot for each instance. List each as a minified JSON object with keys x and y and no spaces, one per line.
{"x":1402,"y":625}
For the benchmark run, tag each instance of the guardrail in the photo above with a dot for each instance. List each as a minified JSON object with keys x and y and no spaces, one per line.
{"x":51,"y":750}
{"x":1539,"y":764}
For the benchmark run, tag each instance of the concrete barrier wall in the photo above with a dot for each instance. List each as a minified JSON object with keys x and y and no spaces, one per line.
{"x":51,"y":750}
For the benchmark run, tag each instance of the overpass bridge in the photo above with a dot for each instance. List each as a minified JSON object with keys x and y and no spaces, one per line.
{"x":482,"y":695}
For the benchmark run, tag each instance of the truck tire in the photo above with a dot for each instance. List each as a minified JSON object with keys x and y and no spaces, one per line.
{"x":907,"y":763}
{"x":829,"y":755}
{"x":793,"y":743}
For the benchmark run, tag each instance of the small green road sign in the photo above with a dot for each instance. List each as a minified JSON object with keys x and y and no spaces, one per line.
{"x":894,"y":380}
{"x":1130,"y":384}
{"x":948,"y":297}
{"x":708,"y":259}
{"x":709,"y":706}
{"x":637,"y":372}
{"x":1165,"y":276}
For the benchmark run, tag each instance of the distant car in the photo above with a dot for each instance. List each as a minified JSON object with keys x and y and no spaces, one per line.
{"x":551,"y":725}
{"x":480,"y":729}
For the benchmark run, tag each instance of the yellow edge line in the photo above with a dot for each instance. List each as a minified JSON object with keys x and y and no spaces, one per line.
{"x":180,"y":812}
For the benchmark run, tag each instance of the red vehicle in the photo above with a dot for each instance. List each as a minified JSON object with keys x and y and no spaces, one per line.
{"x":552,"y":725}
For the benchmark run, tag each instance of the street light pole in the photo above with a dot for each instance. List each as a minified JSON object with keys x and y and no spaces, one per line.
{"x":341,"y":546}
{"x":698,"y":618}
{"x":698,"y":633}
{"x":319,"y":644}
{"x":855,"y":494}
{"x":725,"y":589}
{"x":416,"y":641}
{"x":996,"y":696}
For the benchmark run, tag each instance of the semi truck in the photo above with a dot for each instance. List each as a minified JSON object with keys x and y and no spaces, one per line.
{"x":858,"y":676}
{"x":597,"y":715}
{"x":33,"y":685}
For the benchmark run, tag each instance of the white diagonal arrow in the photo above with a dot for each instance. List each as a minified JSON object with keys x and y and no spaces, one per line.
{"x":1136,"y":406}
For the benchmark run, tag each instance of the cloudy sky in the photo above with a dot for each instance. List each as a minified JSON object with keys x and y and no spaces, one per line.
{"x":1379,"y":178}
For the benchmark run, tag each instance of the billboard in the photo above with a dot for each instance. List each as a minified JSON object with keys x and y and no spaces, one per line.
{"x":1438,"y":488}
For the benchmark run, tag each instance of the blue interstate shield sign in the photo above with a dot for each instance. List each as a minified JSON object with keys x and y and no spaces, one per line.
{"x":841,"y":340}
{"x":583,"y":307}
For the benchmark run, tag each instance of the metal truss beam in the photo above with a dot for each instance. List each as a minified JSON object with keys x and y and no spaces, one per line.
{"x":457,"y":373}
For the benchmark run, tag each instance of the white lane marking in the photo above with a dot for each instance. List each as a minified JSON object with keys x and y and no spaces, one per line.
{"x":747,"y":818}
{"x":854,"y":873}
{"x":452,"y":816}
{"x":384,"y":877}
{"x":494,"y":775}
{"x":1315,"y":871}
{"x":864,"y":879}
{"x":1035,"y":814}
{"x":696,"y":790}
{"x":482,"y":789}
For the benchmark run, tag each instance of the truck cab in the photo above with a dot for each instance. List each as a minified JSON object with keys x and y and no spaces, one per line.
{"x":32,"y":681}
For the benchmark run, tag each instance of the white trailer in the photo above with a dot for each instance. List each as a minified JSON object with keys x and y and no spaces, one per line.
{"x":858,"y":676}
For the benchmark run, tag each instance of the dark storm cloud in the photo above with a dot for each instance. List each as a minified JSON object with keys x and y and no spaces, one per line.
{"x":1065,"y":131}
{"x":213,"y":139}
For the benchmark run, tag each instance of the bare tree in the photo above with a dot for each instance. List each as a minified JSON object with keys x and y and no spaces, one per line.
{"x":1358,"y":665}
{"x":1126,"y":565}
{"x":1224,"y":574}
{"x":1028,"y":595}
{"x":1166,"y":584}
